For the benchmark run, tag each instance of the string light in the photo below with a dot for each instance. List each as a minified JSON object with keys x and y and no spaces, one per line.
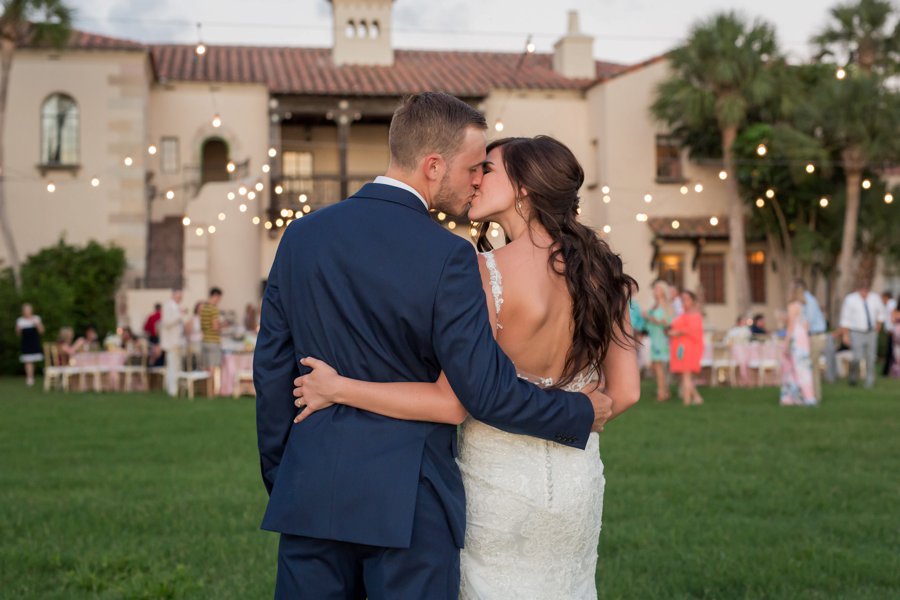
{"x":216,"y":121}
{"x":760,"y":203}
{"x":186,"y":221}
{"x":698,"y":188}
{"x":714,"y":221}
{"x":151,"y":150}
{"x":259,"y":186}
{"x":201,"y":47}
{"x":762,"y":150}
{"x":498,"y":125}
{"x":641,"y":217}
{"x":676,"y":224}
{"x":648,"y":198}
{"x":268,"y":225}
{"x":723,"y":175}
{"x":607,"y":199}
{"x":128,"y":161}
{"x":840,"y":73}
{"x":278,"y":189}
{"x":242,"y":190}
{"x":451,"y":225}
{"x":95,"y":181}
{"x":199,"y":231}
{"x":242,"y":208}
{"x":684,"y":190}
{"x":266,"y":168}
{"x":251,"y":195}
{"x":473,"y":232}
{"x":441,"y":216}
{"x":823,"y":202}
{"x":306,"y":209}
{"x":605,"y":189}
{"x":170,"y":195}
{"x":529,"y":46}
{"x":279,"y":222}
{"x":888,"y":198}
{"x":230,"y":167}
{"x":211,"y":229}
{"x":866,"y":184}
{"x":221,"y":216}
{"x":230,"y":195}
{"x":302,"y":198}
{"x":495,"y":233}
{"x":770,"y":193}
{"x":607,"y":229}
{"x":255,"y":220}
{"x":273,"y":152}
{"x":51,"y":187}
{"x":810,"y":168}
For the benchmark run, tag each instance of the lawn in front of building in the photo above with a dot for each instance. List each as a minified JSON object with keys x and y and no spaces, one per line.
{"x":143,"y":496}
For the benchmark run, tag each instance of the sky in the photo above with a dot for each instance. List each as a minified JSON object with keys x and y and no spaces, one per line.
{"x":625,"y":31}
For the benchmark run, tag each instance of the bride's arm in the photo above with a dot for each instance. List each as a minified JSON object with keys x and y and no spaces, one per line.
{"x":621,"y":371}
{"x":410,"y":401}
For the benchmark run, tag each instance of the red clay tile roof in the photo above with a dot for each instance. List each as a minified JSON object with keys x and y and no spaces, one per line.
{"x":688,"y":227}
{"x":311,"y":71}
{"x":82,"y":40}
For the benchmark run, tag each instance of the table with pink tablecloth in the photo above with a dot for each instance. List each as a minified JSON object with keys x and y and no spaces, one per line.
{"x":107,"y":363}
{"x":232,"y":364}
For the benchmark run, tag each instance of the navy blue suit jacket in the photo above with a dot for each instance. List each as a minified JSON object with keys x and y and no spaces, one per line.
{"x":378,"y":290}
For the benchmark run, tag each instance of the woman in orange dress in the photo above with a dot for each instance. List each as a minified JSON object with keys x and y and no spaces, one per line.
{"x":686,"y":347}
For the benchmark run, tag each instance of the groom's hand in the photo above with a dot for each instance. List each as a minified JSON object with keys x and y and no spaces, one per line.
{"x":602,"y":408}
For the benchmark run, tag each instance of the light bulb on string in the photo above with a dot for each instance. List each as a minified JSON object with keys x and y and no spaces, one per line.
{"x":676,"y":224}
{"x":529,"y":46}
{"x":723,"y":175}
{"x":278,"y":189}
{"x":761,"y":150}
{"x":473,"y":232}
{"x":810,"y":168}
{"x":199,"y":231}
{"x":186,"y":221}
{"x":170,"y":194}
{"x":211,"y":229}
{"x":242,"y":208}
{"x":128,"y":161}
{"x":259,"y":186}
{"x":266,"y":168}
{"x":441,"y":216}
{"x":255,"y":220}
{"x":760,"y":203}
{"x":714,"y":221}
{"x":242,"y":190}
{"x":221,"y":216}
{"x":230,"y":195}
{"x":306,"y":208}
{"x":273,"y":152}
{"x":268,"y":225}
{"x":95,"y":181}
{"x":648,"y":198}
{"x":607,"y":199}
{"x":607,"y":229}
{"x":888,"y":198}
{"x":216,"y":121}
{"x":841,"y":73}
{"x":200,"y":49}
{"x":279,"y":222}
{"x":151,"y":150}
{"x":498,"y":125}
{"x":251,"y":195}
{"x":770,"y":193}
{"x":451,"y":225}
{"x":823,"y":202}
{"x":605,"y":189}
{"x":866,"y":184}
{"x":302,"y":198}
{"x":698,"y":188}
{"x":51,"y":187}
{"x":684,"y":190}
{"x":230,"y":167}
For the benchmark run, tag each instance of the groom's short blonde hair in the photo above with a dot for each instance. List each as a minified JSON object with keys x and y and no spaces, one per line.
{"x":430,"y":122}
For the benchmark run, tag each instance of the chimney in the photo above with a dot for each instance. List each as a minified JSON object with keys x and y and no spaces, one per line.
{"x":573,"y":54}
{"x":362,"y":32}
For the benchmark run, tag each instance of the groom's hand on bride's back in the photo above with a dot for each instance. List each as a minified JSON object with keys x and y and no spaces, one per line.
{"x":602,"y":406}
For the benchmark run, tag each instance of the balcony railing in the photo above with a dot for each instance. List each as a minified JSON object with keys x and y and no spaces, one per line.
{"x":317,"y":191}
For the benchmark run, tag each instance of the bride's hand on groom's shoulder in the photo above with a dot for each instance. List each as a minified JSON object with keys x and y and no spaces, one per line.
{"x":317,"y":389}
{"x":602,"y":406}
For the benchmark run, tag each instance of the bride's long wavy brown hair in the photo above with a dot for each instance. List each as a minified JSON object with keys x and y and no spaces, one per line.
{"x":600,"y":290}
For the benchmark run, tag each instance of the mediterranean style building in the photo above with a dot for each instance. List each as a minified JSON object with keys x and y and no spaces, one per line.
{"x":194,"y":158}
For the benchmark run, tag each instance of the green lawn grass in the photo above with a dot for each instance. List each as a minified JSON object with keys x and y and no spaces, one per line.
{"x":142,"y":496}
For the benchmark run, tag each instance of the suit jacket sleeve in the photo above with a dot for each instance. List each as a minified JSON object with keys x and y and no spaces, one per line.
{"x":274,"y":370}
{"x":483,"y":378}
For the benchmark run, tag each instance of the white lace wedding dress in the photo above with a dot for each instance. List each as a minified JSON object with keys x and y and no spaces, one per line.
{"x":533,"y":507}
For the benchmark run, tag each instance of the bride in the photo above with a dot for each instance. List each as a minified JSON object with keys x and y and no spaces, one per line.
{"x":558,"y":302}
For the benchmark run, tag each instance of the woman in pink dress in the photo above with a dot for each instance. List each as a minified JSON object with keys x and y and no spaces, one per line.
{"x":796,"y":370}
{"x":686,"y":347}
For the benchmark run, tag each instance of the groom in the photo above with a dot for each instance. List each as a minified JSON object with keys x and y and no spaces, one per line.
{"x":370,"y":506}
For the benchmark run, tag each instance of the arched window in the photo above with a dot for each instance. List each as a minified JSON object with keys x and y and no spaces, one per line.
{"x":362,"y":30}
{"x":374,"y":30}
{"x":214,"y":157}
{"x":59,"y":130}
{"x":350,"y":29}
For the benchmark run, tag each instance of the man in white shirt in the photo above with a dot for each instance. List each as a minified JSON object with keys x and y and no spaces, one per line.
{"x":171,"y":339}
{"x":862,"y":315}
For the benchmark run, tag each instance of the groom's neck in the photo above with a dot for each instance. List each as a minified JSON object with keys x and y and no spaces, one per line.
{"x":412,"y":181}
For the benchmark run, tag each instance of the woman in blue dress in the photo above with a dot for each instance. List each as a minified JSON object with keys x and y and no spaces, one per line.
{"x":657,"y":321}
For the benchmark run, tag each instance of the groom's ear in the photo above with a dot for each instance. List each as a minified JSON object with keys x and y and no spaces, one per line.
{"x":433,"y":167}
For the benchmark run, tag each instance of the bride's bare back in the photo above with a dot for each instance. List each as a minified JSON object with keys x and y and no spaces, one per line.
{"x":536,"y":314}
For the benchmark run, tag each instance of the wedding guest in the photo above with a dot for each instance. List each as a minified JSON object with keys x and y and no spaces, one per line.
{"x":151,"y":329}
{"x":862,"y":315}
{"x":89,"y":342}
{"x":818,"y":336}
{"x":797,"y":387}
{"x":737,"y":337}
{"x":211,"y":325}
{"x":893,"y":321}
{"x":251,"y":320}
{"x":686,"y":347}
{"x":657,"y":320}
{"x":890,"y":305}
{"x":194,"y":334}
{"x":675,"y":299}
{"x":171,"y":339}
{"x":29,"y":328}
{"x":758,"y":325}
{"x":64,"y":342}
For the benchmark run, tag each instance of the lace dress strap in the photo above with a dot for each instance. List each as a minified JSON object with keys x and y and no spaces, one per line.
{"x":496,"y":283}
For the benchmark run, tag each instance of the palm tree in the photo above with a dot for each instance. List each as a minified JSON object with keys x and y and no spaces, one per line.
{"x":36,"y":22}
{"x":724,"y":70}
{"x":860,"y":32}
{"x":856,"y":111}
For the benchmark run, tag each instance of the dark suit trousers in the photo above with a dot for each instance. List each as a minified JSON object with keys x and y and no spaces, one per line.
{"x":315,"y":569}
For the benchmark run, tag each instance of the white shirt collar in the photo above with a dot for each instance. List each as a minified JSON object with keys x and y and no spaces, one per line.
{"x":385,"y":180}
